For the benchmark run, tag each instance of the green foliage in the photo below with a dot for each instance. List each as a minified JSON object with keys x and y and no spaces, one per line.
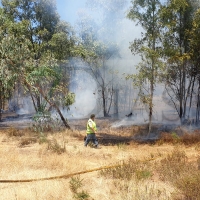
{"x":75,"y":185}
{"x":143,"y":174}
{"x":176,"y":18}
{"x":42,"y":138}
{"x":32,"y":39}
{"x":175,"y":137}
{"x":146,"y":13}
{"x":69,"y":99}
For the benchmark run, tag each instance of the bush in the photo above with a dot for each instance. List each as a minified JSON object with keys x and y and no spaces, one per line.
{"x":173,"y":138}
{"x":128,"y":170}
{"x":44,"y":122}
{"x":191,"y":138}
{"x":173,"y":165}
{"x":13,"y":132}
{"x":190,"y":185}
{"x":75,"y":185}
{"x":55,"y":147}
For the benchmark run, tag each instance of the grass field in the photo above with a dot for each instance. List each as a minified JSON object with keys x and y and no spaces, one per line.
{"x":166,"y":169}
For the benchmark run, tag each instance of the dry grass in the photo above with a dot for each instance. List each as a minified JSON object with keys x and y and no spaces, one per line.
{"x":186,"y":138}
{"x":146,"y":172}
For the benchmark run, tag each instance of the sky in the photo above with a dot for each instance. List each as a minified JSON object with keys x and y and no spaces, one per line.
{"x":68,"y":9}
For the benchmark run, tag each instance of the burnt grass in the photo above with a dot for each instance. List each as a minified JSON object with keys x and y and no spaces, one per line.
{"x":109,"y":136}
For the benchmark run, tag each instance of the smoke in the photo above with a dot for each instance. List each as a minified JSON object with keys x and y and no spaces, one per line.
{"x":110,"y":28}
{"x":84,"y":86}
{"x":21,"y":105}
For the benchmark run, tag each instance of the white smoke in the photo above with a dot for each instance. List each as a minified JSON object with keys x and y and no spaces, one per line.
{"x":84,"y":87}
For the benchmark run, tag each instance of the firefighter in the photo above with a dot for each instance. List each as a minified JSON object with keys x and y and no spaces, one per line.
{"x":91,"y":131}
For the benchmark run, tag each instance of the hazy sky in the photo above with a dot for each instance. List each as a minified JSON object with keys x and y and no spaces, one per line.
{"x":67,"y":9}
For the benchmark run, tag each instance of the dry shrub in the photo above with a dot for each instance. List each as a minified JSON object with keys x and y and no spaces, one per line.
{"x":186,"y":138}
{"x":75,"y":133}
{"x":198,"y":162}
{"x":191,"y":138}
{"x":55,"y":147}
{"x":13,"y":132}
{"x":141,"y":190}
{"x":172,"y":138}
{"x":129,"y":170}
{"x":189,"y":185}
{"x":27,"y":140}
{"x":183,"y":175}
{"x":173,"y":166}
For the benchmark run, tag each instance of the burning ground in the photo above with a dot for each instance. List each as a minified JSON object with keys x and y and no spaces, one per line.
{"x":167,"y":168}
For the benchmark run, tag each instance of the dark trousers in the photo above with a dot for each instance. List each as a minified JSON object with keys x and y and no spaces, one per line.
{"x":91,"y":137}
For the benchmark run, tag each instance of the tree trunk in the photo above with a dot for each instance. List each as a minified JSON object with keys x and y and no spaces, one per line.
{"x":1,"y":100}
{"x":61,"y":116}
{"x":0,"y":105}
{"x":55,"y":106}
{"x":151,"y":106}
{"x":104,"y":103}
{"x":198,"y":104}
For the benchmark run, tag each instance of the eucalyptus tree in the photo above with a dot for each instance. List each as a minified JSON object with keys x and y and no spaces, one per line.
{"x":195,"y":58}
{"x":30,"y":52}
{"x":177,"y":21}
{"x":47,"y":34}
{"x":6,"y":79}
{"x":17,"y":64}
{"x":146,"y":14}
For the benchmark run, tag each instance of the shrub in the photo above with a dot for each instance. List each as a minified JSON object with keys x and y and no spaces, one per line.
{"x":55,"y":147}
{"x":191,"y":138}
{"x":172,"y":138}
{"x":128,"y":170}
{"x":44,"y":122}
{"x":173,"y":165}
{"x":189,"y":185}
{"x":75,"y":185}
{"x":13,"y":132}
{"x":27,"y":140}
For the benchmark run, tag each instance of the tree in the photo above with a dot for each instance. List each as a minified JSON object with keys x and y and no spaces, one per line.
{"x":7,"y":40}
{"x":177,"y":21}
{"x":146,"y":14}
{"x":29,"y":54}
{"x":195,"y":58}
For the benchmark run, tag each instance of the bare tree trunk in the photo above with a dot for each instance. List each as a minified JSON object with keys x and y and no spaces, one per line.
{"x":153,"y":68}
{"x":1,"y":100}
{"x":191,"y":95}
{"x":151,"y":106}
{"x":0,"y":104}
{"x":104,"y":102}
{"x":29,"y":89}
{"x":198,"y":104}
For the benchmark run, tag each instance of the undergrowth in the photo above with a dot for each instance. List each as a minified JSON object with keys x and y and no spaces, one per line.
{"x":76,"y":188}
{"x":129,"y":170}
{"x":174,"y":138}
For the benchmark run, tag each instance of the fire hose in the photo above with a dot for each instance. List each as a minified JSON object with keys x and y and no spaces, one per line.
{"x":66,"y":176}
